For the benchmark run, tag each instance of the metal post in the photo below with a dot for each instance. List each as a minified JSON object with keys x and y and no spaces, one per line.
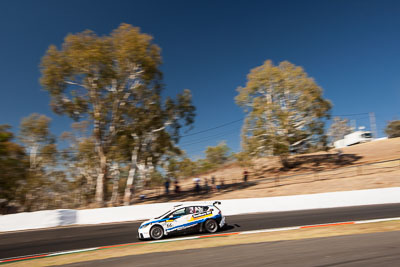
{"x":372,"y":123}
{"x":354,"y":125}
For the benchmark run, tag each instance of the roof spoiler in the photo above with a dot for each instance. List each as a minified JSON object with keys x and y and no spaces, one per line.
{"x":217,"y":203}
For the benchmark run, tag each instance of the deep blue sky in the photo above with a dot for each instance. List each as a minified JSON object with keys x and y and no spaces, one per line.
{"x":351,"y":48}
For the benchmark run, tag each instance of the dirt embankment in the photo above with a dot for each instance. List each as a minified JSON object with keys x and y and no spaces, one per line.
{"x":311,"y":173}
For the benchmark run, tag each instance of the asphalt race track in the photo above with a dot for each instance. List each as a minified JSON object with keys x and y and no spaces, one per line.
{"x":376,"y":249}
{"x":76,"y":237}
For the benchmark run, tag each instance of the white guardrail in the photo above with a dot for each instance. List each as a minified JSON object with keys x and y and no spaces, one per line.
{"x":53,"y":218}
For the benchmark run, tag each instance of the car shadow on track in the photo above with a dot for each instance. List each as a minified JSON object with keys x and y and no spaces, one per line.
{"x":225,"y":229}
{"x":229,"y":227}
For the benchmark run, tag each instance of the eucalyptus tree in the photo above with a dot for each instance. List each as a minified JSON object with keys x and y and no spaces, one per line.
{"x":40,"y":189}
{"x":14,"y":166}
{"x":339,"y":128}
{"x":37,"y":138}
{"x":104,"y":80}
{"x":392,"y":129}
{"x":153,"y":134}
{"x":218,"y":154}
{"x":285,"y":110}
{"x":80,"y":161}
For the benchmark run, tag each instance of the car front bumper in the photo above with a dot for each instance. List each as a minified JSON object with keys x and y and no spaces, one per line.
{"x":144,"y":233}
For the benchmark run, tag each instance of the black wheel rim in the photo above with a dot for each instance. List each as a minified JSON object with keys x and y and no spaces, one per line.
{"x":156,"y":232}
{"x":211,"y":225}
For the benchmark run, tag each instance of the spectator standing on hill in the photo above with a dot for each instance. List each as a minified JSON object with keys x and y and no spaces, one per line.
{"x":245,"y":176}
{"x":213,"y":183}
{"x":206,"y":188}
{"x":177,"y":187}
{"x":222,"y":184}
{"x":197,"y":185}
{"x":167,"y":183}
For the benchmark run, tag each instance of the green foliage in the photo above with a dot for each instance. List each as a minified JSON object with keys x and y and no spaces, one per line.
{"x":35,"y":135}
{"x":114,"y":83}
{"x":34,"y":129}
{"x":156,"y":179}
{"x":45,"y":184}
{"x":187,"y":168}
{"x":80,"y":161}
{"x":285,"y":111}
{"x":203,"y":166}
{"x":89,"y":74}
{"x":181,"y":168}
{"x":244,"y":159}
{"x":13,"y":166}
{"x":34,"y":182}
{"x":393,"y":129}
{"x":218,"y":154}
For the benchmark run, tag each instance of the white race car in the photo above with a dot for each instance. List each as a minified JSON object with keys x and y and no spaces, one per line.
{"x":182,"y":219}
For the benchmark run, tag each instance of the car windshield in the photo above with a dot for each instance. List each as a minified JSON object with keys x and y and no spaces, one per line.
{"x":179,"y":212}
{"x":159,"y":217}
{"x":366,"y":135}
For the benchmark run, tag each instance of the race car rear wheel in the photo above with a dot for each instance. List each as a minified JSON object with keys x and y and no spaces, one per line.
{"x":156,"y":232}
{"x":211,"y":226}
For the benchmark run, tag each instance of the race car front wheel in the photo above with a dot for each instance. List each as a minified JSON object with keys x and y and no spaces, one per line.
{"x":156,"y":232}
{"x":211,"y":226}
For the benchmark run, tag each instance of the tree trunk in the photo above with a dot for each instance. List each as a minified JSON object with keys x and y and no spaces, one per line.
{"x":141,"y":173}
{"x":114,"y":196}
{"x":131,"y":178}
{"x":149,"y":169}
{"x":32,"y":156}
{"x":116,"y":177}
{"x":100,"y":183}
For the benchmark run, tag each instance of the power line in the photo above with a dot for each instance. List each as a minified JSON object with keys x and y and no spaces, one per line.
{"x":213,"y":128}
{"x":208,"y":139}
{"x":232,"y":122}
{"x":350,"y":115}
{"x":213,"y":135}
{"x":58,"y":152}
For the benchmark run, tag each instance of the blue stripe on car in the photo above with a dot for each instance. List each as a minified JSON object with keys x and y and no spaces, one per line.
{"x":195,"y":222}
{"x":162,"y":220}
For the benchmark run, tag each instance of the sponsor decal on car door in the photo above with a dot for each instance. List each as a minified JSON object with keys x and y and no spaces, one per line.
{"x":177,"y":220}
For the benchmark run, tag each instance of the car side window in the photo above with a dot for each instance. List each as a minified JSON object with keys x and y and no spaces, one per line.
{"x":194,"y":210}
{"x":199,"y":210}
{"x":190,"y":210}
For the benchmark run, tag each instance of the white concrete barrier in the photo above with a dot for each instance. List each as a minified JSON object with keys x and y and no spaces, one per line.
{"x":312,"y":201}
{"x":30,"y":220}
{"x":52,"y":218}
{"x":121,"y":214}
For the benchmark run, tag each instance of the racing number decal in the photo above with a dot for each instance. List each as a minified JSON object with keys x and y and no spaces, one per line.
{"x":203,"y":215}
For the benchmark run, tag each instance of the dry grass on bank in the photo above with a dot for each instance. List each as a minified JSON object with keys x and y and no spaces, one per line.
{"x":315,"y":173}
